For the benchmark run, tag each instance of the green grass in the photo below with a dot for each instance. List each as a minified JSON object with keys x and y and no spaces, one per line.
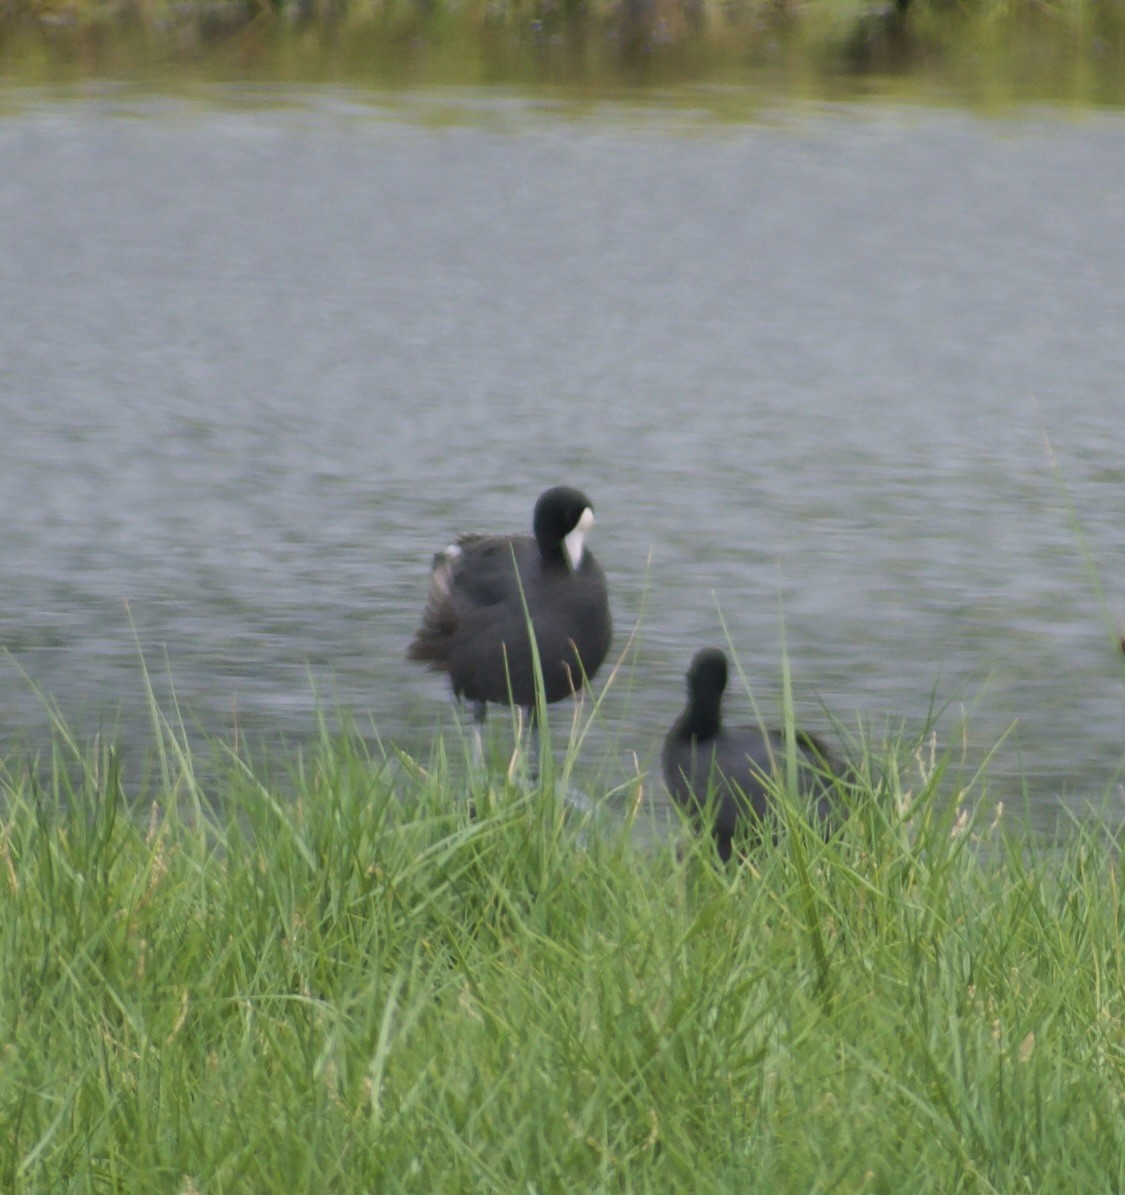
{"x":356,"y":987}
{"x":727,"y":58}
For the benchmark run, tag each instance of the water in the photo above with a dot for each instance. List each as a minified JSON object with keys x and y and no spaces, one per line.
{"x":835,"y":375}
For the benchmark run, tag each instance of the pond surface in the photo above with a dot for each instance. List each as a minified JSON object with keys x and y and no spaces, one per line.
{"x":849,"y":377}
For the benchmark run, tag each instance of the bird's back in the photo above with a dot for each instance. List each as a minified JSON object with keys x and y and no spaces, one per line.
{"x":736,"y":769}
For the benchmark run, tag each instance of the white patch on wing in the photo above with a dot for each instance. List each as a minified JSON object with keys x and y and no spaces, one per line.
{"x":574,"y":541}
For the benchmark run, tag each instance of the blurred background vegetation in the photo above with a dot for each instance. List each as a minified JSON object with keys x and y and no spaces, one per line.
{"x":996,"y":50}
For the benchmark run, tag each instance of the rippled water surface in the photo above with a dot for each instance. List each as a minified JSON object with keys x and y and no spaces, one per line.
{"x":835,"y":376}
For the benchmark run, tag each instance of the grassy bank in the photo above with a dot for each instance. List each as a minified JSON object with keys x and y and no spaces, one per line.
{"x":359,"y":988}
{"x":986,"y":52}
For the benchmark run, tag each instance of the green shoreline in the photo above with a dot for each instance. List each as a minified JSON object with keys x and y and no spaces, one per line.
{"x":985,"y":54}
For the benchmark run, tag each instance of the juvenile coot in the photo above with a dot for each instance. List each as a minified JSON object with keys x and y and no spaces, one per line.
{"x":474,"y":626}
{"x":734,"y":767}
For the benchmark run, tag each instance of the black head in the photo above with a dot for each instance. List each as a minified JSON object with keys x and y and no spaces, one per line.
{"x":706,"y":681}
{"x":707,"y":676}
{"x":562,"y":517}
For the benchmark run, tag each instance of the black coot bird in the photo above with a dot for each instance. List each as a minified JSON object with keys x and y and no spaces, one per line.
{"x":475,"y":624}
{"x":735,"y":766}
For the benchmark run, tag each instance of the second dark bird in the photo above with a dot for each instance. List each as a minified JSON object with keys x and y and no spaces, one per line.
{"x":725,"y":774}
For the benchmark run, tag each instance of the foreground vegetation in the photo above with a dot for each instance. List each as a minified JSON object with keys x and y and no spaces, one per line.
{"x":359,"y":987}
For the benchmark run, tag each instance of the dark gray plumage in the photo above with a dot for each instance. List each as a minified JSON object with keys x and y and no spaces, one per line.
{"x":702,"y":759}
{"x":474,"y":626}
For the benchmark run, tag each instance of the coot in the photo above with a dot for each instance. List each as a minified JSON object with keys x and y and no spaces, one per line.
{"x":475,"y":624}
{"x":727,"y":773}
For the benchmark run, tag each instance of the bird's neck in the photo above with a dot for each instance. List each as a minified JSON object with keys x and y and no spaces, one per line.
{"x":701,"y":720}
{"x":555,"y":558}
